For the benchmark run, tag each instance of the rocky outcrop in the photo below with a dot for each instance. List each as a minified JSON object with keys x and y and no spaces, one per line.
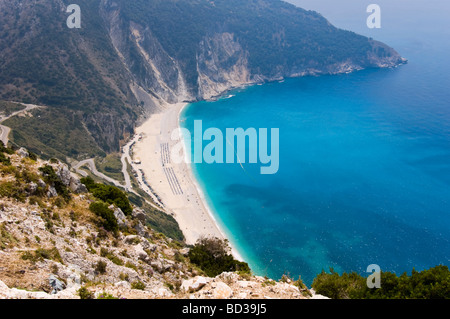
{"x":69,"y":179}
{"x":120,"y":216}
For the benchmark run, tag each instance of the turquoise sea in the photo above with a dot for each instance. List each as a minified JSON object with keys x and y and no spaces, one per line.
{"x":364,"y":172}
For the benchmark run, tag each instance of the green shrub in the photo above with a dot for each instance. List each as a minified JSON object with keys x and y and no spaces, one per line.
{"x":41,"y":254}
{"x":100,"y":267}
{"x":84,"y":293}
{"x":14,"y":190}
{"x":33,"y":200}
{"x":130,"y":265}
{"x":212,"y":256}
{"x":139,"y":285}
{"x":107,"y":218}
{"x":108,"y":254}
{"x":6,"y":238}
{"x":4,"y":149}
{"x":109,"y":194}
{"x":4,"y":159}
{"x":32,"y":156}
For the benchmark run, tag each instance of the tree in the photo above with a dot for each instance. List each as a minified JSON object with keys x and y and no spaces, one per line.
{"x":211,"y":254}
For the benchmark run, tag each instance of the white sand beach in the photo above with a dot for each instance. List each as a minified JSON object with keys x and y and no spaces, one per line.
{"x":174,"y":183}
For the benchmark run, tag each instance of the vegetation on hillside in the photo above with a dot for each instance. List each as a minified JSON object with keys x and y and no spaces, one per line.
{"x":53,"y":133}
{"x":76,"y":72}
{"x":26,"y":181}
{"x":109,"y":194}
{"x":106,"y":215}
{"x":433,"y":283}
{"x":6,"y":108}
{"x":154,"y":218}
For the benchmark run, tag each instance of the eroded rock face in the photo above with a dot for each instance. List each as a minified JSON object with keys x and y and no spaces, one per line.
{"x":56,"y":284}
{"x":63,"y":173}
{"x":222,"y":64}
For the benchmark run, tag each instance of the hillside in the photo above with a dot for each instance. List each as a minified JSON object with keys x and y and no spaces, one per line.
{"x":58,"y":239}
{"x":131,"y":57}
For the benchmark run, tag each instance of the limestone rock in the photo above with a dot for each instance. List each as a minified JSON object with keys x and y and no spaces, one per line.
{"x":63,"y":173}
{"x":120,"y":216}
{"x":32,"y":187}
{"x":195,"y":284}
{"x":141,"y":230}
{"x":222,"y":291}
{"x":23,"y":152}
{"x":141,"y":253}
{"x":139,"y":214}
{"x":184,"y":251}
{"x":76,"y":186}
{"x":56,"y":284}
{"x":132,"y":240}
{"x":41,"y":183}
{"x":123,"y":284}
{"x":157,"y":265}
{"x":52,"y":192}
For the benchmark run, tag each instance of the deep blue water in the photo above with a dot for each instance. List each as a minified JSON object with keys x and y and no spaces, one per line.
{"x":364,"y":172}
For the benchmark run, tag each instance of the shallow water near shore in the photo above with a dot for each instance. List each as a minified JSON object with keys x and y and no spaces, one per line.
{"x":364,"y":172}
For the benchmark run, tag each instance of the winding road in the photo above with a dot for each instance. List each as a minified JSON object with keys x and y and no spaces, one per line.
{"x":91,"y":164}
{"x":6,"y":130}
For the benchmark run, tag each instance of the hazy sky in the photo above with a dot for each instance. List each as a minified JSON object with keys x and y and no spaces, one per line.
{"x":414,"y":18}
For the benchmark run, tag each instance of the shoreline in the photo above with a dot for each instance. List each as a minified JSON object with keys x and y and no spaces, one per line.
{"x":175,"y":183}
{"x":235,"y":252}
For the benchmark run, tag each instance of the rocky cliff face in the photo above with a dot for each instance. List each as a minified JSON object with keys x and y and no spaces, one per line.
{"x":222,"y":64}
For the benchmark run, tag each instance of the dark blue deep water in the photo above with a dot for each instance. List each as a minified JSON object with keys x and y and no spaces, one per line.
{"x":364,"y":172}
